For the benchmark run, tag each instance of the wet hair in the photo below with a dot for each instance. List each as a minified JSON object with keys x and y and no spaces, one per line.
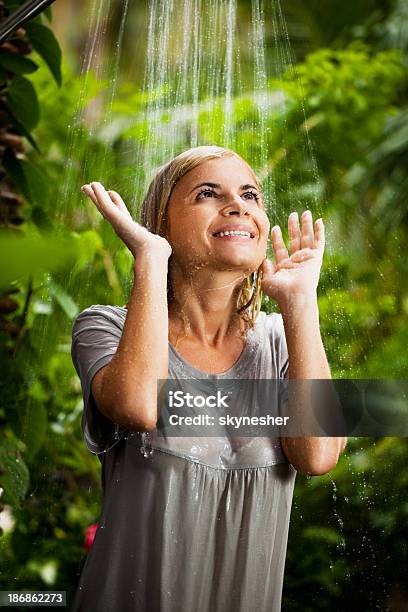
{"x":154,"y":209}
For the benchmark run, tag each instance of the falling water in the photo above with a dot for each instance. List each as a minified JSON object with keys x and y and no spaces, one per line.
{"x":192,"y":82}
{"x":229,"y":70}
{"x":113,"y":81}
{"x":260,"y":81}
{"x":193,"y":78}
{"x":97,"y":25}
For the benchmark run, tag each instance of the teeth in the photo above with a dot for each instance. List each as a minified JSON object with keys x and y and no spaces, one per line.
{"x":233,"y":233}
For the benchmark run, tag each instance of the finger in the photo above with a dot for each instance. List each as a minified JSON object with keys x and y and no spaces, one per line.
{"x":88,"y":191}
{"x":116,"y":199}
{"x":319,"y":235}
{"x":307,"y":239}
{"x":123,"y":224}
{"x":278,"y":244}
{"x":101,"y":193}
{"x":104,"y":202}
{"x":294,"y":232}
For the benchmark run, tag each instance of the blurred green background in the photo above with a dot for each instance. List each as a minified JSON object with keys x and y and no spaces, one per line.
{"x":337,"y":143}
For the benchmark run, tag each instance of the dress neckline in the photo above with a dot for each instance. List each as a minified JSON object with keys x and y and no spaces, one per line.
{"x":243,"y":360}
{"x":253,"y":341}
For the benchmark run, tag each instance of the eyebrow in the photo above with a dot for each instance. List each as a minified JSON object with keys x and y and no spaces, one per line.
{"x":217,"y":186}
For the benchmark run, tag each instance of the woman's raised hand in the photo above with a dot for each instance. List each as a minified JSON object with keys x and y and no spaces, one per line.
{"x":299,"y":272}
{"x":137,"y":238}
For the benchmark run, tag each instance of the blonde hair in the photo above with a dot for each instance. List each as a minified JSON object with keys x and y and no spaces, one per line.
{"x":154,"y":209}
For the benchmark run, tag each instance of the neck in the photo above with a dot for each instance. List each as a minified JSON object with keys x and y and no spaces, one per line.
{"x":204,"y":306}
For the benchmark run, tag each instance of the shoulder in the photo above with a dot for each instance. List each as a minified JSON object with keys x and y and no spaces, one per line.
{"x":274,"y":334}
{"x":272,"y":329}
{"x":271,"y":324}
{"x":100,"y":315}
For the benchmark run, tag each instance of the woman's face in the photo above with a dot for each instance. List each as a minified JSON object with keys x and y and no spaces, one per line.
{"x":219,"y":195}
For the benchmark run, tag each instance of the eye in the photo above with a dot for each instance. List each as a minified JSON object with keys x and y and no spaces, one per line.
{"x":256,"y":197}
{"x":205,"y":191}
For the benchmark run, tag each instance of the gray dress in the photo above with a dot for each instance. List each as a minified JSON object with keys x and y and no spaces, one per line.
{"x":199,"y":525}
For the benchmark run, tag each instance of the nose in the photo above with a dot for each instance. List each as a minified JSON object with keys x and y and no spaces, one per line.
{"x":236,"y":206}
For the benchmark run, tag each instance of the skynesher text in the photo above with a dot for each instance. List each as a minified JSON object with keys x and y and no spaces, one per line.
{"x":230,"y":421}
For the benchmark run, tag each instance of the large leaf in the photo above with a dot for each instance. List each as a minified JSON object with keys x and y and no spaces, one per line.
{"x":29,"y":422}
{"x":90,"y":243}
{"x":31,"y":181}
{"x":30,"y":255}
{"x":45,"y":43}
{"x":63,"y":298}
{"x":37,"y":181}
{"x":17,"y":63}
{"x":23,"y":131}
{"x":14,"y":169}
{"x":23,"y":103}
{"x":14,"y":476}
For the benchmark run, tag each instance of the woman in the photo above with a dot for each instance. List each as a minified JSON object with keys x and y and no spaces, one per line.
{"x":197,"y":524}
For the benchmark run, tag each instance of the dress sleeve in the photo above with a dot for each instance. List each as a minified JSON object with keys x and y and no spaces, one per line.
{"x":95,"y":337}
{"x":281,"y":356}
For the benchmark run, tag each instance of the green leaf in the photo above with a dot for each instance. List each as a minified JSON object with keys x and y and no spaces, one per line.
{"x":38,"y":185}
{"x":3,"y":75}
{"x":29,"y":422}
{"x":89,"y":244}
{"x":325,"y":534}
{"x":14,"y":169}
{"x":64,"y":299}
{"x":32,"y":181}
{"x":14,"y":475}
{"x":23,"y":131}
{"x":17,"y":63}
{"x":23,"y":103}
{"x":30,"y":255}
{"x":45,"y":43}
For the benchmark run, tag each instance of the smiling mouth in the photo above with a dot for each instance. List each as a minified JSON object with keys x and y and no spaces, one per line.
{"x":234,"y":235}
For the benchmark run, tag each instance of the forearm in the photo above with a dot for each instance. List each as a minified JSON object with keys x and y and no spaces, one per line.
{"x":129,"y":384}
{"x":307,"y":361}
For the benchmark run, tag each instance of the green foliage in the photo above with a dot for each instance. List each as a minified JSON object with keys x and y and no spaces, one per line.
{"x":33,"y":254}
{"x":31,"y":179}
{"x":335,"y":141}
{"x":45,"y":43}
{"x":349,"y":526}
{"x":17,"y":64}
{"x":14,"y":476}
{"x":347,"y":95}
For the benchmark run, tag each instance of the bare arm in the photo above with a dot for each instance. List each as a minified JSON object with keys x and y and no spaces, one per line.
{"x":307,"y":361}
{"x":292,"y":280}
{"x":125,"y":390}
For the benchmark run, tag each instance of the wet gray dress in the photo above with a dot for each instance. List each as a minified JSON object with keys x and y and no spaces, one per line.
{"x":201,"y":524}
